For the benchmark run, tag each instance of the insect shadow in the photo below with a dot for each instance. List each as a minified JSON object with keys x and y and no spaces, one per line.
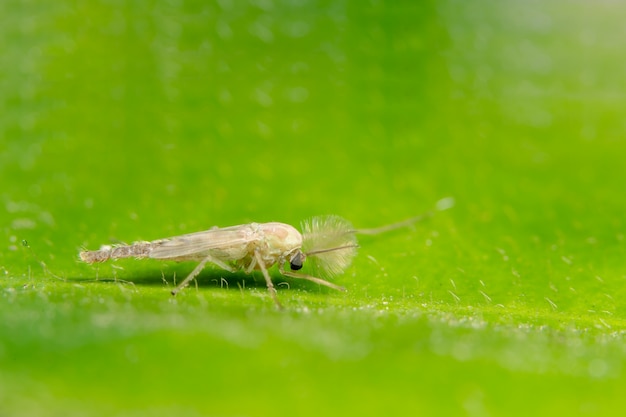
{"x":169,"y":276}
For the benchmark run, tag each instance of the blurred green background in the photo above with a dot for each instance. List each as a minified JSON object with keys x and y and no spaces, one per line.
{"x":131,"y":120}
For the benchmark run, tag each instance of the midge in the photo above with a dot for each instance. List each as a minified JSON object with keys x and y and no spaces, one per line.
{"x":327,"y":243}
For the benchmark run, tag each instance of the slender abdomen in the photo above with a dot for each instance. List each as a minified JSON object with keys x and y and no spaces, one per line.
{"x":136,"y":250}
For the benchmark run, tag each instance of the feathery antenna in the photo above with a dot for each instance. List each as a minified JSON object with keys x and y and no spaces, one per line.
{"x":441,"y":205}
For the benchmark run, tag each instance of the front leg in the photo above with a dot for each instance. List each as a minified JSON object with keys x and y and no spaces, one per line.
{"x":316,"y":280}
{"x":268,"y":279}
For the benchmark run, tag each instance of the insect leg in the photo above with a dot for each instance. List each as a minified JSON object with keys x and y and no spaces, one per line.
{"x":310,"y":278}
{"x":253,"y":264}
{"x":198,"y":269}
{"x":268,"y":279}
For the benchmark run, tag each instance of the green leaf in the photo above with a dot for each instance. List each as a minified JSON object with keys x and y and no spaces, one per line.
{"x":129,"y":121}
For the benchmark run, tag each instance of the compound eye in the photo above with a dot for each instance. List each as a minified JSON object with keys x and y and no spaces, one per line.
{"x":296,"y":262}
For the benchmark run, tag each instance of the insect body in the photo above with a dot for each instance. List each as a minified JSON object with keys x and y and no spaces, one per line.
{"x":329,"y":243}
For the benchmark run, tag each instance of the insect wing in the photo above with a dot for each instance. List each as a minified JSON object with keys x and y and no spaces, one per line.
{"x":231,"y":241}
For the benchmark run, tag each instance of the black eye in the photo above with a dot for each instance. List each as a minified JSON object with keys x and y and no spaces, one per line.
{"x":296,"y":262}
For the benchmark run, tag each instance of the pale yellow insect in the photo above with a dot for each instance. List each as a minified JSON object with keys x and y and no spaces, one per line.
{"x":327,"y":242}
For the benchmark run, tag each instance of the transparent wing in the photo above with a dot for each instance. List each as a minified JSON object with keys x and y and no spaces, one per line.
{"x":229,"y":242}
{"x":329,"y":243}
